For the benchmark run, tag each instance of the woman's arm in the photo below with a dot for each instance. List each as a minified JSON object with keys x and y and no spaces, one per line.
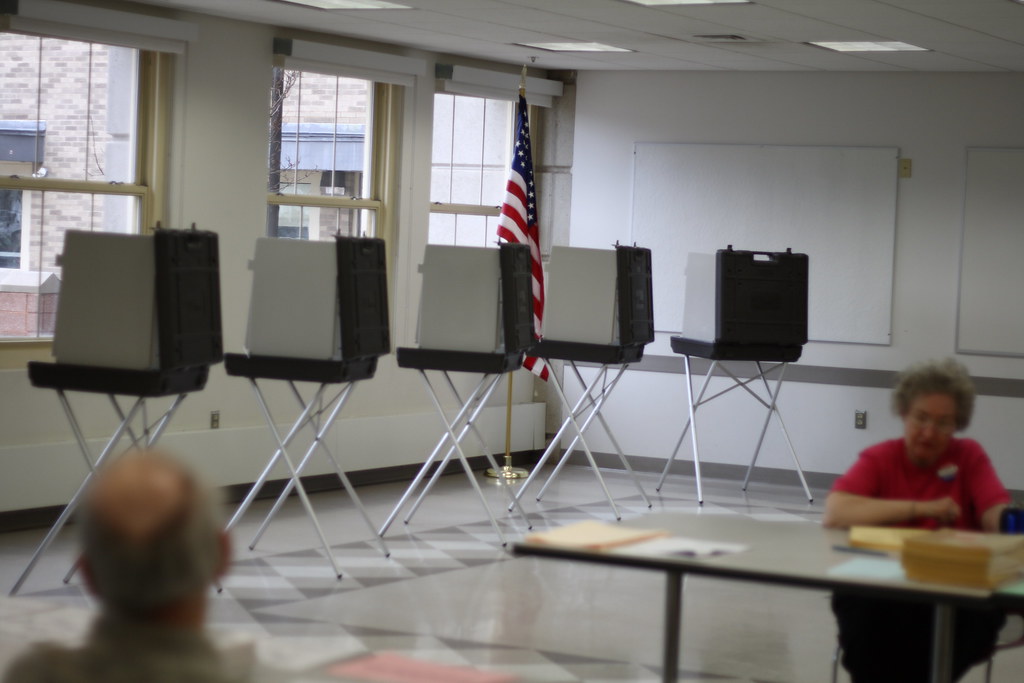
{"x":844,"y":510}
{"x":990,"y":518}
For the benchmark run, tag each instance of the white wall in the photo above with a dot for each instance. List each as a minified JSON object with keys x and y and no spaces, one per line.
{"x":932,"y":118}
{"x":218,"y":168}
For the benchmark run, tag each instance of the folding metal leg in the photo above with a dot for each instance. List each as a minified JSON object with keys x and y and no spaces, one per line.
{"x":338,"y":401}
{"x":148,"y":438}
{"x":770,"y":405}
{"x":574,"y":410}
{"x":83,"y":446}
{"x":433,"y":455}
{"x":321,"y":430}
{"x":557,"y":438}
{"x":254,"y":490}
{"x":686,"y":427}
{"x":471,"y":425}
{"x":595,"y":405}
{"x":693,"y":424}
{"x":773,"y":409}
{"x":282,"y":449}
{"x":476,"y":401}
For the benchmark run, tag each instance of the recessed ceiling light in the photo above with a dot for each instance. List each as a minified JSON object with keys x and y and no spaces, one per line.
{"x":575,"y":47}
{"x":695,"y":2}
{"x":348,"y":4}
{"x":868,"y":46}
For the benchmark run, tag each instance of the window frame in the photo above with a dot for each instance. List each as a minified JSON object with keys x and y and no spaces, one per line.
{"x":487,"y":211}
{"x":154,"y":79}
{"x":386,"y":104}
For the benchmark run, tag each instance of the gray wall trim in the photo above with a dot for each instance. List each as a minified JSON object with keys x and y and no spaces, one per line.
{"x":821,"y":374}
{"x":819,"y":482}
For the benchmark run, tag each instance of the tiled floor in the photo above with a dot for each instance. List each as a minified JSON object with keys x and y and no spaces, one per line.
{"x":450,"y":593}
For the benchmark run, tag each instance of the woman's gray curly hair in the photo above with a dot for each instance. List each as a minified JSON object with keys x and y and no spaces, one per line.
{"x":945,"y":376}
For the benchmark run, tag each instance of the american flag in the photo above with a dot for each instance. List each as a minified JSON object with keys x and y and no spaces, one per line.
{"x":518,"y":222}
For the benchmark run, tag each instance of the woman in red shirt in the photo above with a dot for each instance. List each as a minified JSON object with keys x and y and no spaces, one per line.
{"x":925,"y":479}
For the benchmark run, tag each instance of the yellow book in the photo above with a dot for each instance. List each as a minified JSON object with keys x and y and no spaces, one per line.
{"x":966,"y":558}
{"x":963,"y":546}
{"x":887,"y":538}
{"x":594,"y":535}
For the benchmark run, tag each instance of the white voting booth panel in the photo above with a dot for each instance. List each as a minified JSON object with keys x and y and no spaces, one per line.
{"x":294,"y":308}
{"x":106,"y":314}
{"x":460,"y":308}
{"x":699,"y":299}
{"x":580,"y":306}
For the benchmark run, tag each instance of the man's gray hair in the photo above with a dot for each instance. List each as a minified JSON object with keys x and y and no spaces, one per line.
{"x":178,"y":559}
{"x":945,"y":376}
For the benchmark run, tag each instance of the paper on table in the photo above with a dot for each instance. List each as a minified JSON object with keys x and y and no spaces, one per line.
{"x":1013,"y":588}
{"x":594,"y":535}
{"x":682,"y":547}
{"x":870,"y":568}
{"x":387,"y":667}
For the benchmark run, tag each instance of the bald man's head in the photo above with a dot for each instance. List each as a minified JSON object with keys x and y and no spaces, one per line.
{"x":151,"y":534}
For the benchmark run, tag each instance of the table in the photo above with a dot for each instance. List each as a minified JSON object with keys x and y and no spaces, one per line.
{"x":793,"y":554}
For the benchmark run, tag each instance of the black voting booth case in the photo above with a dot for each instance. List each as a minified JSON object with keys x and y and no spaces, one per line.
{"x":760,"y":316}
{"x":363,"y":336}
{"x":634,"y":317}
{"x":187,"y":341}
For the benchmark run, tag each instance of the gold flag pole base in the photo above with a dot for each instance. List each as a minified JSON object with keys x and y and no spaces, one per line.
{"x":506,"y":471}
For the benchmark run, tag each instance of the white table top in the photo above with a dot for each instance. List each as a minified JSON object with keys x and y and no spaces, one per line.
{"x":790,"y":553}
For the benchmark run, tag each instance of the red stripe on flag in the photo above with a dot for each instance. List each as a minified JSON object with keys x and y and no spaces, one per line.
{"x":518,"y":222}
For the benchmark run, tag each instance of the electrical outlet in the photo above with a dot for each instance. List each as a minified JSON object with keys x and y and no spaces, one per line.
{"x":860,"y":419}
{"x":215,"y":419}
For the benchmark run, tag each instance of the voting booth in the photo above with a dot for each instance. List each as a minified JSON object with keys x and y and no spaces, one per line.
{"x":742,"y":306}
{"x":318,"y":314}
{"x":476,"y":316}
{"x":139,"y":317}
{"x":598,"y":310}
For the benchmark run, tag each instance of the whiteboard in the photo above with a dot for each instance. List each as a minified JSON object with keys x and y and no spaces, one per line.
{"x":990,"y":318}
{"x":835,"y":204}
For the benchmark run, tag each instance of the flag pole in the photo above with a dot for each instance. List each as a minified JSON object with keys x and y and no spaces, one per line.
{"x":507,"y":470}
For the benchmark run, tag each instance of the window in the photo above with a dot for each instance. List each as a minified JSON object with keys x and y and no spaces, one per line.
{"x":70,"y":158}
{"x":321,"y":160}
{"x":469,"y":168}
